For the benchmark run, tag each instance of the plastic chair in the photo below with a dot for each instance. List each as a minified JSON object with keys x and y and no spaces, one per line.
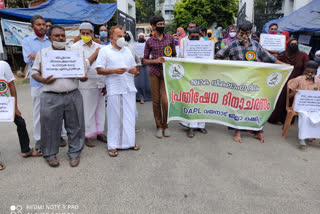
{"x":290,"y":113}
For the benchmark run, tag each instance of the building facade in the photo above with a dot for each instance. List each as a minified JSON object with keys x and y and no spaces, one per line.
{"x":288,"y":6}
{"x":166,"y":7}
{"x":127,"y":7}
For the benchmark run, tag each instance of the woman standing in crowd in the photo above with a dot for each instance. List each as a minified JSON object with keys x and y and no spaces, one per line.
{"x":181,"y":34}
{"x":299,"y":60}
{"x":231,"y":36}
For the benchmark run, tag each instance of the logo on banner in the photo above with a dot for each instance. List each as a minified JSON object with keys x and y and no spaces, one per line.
{"x":167,"y":51}
{"x":251,"y":55}
{"x":176,"y":71}
{"x":4,"y":86}
{"x":274,"y":79}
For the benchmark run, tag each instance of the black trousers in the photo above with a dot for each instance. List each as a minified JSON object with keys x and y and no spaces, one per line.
{"x":23,"y":134}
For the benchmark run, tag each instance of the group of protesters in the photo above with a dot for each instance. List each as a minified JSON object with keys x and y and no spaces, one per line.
{"x":77,"y":107}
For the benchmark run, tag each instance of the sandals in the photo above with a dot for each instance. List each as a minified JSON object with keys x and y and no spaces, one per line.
{"x":135,"y":148}
{"x":190,"y":133}
{"x":2,"y":167}
{"x":260,"y":137}
{"x":113,"y":153}
{"x":36,"y":153}
{"x":26,"y":154}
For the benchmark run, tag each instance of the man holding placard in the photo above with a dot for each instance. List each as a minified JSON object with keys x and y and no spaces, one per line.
{"x":60,"y":71}
{"x":117,"y":64}
{"x":309,"y":120}
{"x":11,"y":112}
{"x":93,"y":90}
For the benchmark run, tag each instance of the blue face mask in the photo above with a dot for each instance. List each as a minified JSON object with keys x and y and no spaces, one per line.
{"x":176,"y":42}
{"x":317,"y":59}
{"x":103,"y":34}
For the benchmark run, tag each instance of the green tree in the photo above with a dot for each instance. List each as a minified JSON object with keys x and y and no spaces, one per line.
{"x":205,"y":12}
{"x":144,"y":10}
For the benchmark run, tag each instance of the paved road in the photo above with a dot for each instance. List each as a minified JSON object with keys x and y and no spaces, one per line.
{"x":207,"y":174}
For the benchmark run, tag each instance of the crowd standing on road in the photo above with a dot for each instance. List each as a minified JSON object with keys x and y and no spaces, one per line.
{"x":116,"y":78}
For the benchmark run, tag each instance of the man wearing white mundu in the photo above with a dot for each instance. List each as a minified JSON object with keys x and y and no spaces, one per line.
{"x":60,"y":71}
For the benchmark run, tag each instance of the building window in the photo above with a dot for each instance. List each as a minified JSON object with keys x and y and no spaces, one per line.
{"x":168,"y":12}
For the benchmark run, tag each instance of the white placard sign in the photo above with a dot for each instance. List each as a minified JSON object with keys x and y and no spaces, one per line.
{"x":198,"y":49}
{"x":304,"y":39}
{"x":305,"y":48}
{"x":273,"y":42}
{"x":63,"y":64}
{"x":139,"y":49}
{"x":307,"y":101}
{"x":7,"y":109}
{"x":178,"y":51}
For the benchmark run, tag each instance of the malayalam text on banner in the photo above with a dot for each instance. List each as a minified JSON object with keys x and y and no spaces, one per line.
{"x":238,"y":94}
{"x":63,"y":64}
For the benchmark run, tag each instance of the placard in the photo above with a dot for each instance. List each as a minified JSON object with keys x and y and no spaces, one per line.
{"x":305,"y":48}
{"x":7,"y":109}
{"x":307,"y":101}
{"x":139,"y":49}
{"x":304,"y":39}
{"x":63,"y":64}
{"x":198,"y":49}
{"x":178,"y":51}
{"x":273,"y":42}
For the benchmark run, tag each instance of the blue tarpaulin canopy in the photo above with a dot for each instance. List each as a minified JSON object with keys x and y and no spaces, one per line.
{"x":64,"y":12}
{"x":306,"y":18}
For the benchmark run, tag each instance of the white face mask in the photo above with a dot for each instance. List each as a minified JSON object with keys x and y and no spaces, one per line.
{"x":232,"y":34}
{"x":121,"y":42}
{"x":59,"y":45}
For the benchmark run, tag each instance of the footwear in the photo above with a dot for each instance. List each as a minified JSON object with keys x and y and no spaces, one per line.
{"x":141,"y":101}
{"x":89,"y":142}
{"x":63,"y":143}
{"x":159,"y":134}
{"x":136,"y":147}
{"x":203,"y":131}
{"x":36,"y":153}
{"x":26,"y":154}
{"x":74,"y":161}
{"x":53,"y":162}
{"x":190,"y":133}
{"x":102,"y":138}
{"x":137,"y":130}
{"x":113,"y":153}
{"x":166,"y":132}
{"x":2,"y":167}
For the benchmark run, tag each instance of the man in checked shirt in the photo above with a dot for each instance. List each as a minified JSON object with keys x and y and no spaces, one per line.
{"x":246,"y":49}
{"x":158,"y":46}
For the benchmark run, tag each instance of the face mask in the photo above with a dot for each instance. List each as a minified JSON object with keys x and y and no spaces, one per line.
{"x":209,"y":35}
{"x":141,"y":40}
{"x":310,"y":76}
{"x":160,"y":30}
{"x":40,"y":34}
{"x":178,"y":33}
{"x":272,"y":32}
{"x":232,"y":34}
{"x":176,"y":42}
{"x":293,"y":47}
{"x":86,"y":39}
{"x":103,"y":34}
{"x":194,"y":38}
{"x":127,"y":38}
{"x":59,"y":45}
{"x":121,"y":42}
{"x":317,"y":59}
{"x":243,"y":38}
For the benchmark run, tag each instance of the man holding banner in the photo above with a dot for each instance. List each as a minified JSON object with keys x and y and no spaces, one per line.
{"x":245,"y":49}
{"x":60,"y":71}
{"x":159,"y":45}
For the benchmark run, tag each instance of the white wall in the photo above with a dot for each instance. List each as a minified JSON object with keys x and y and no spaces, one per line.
{"x":249,"y":9}
{"x":128,"y":7}
{"x":288,"y":6}
{"x":166,"y":9}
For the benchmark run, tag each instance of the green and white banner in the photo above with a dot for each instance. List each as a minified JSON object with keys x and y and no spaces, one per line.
{"x":239,"y":94}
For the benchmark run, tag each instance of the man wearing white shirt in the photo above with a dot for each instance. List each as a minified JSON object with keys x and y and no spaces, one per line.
{"x":116,"y":62}
{"x":60,"y":100}
{"x":93,"y":90}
